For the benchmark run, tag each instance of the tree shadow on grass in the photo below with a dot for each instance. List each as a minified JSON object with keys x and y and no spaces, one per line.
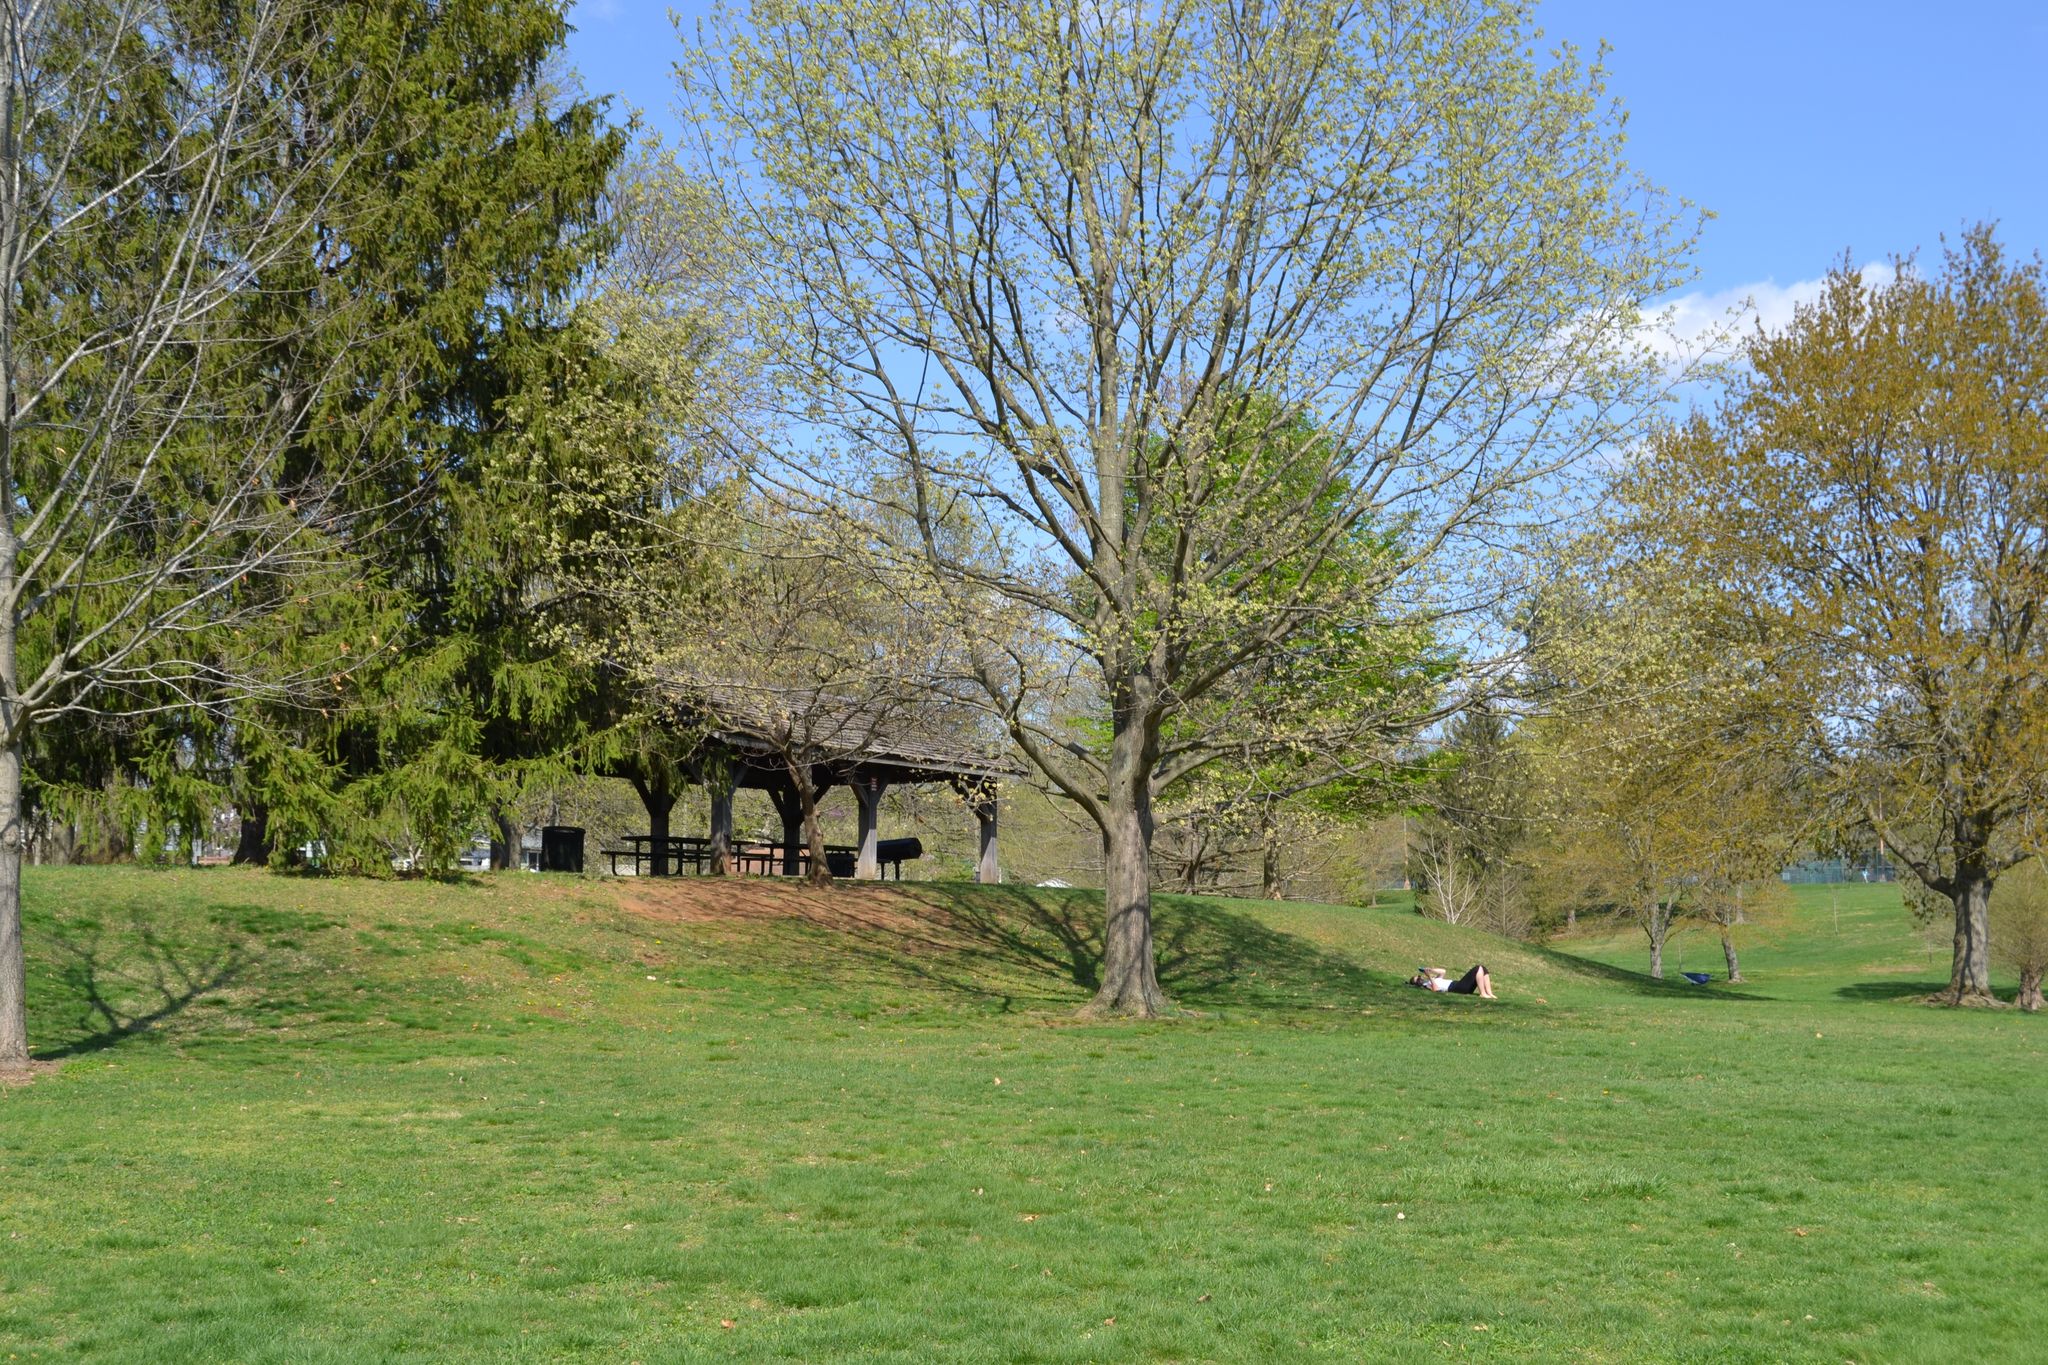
{"x":1019,"y":947}
{"x":1877,"y":992}
{"x":1673,"y":987}
{"x":109,"y":983}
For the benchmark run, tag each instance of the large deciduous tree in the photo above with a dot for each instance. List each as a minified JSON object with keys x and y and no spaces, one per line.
{"x":1875,"y":486}
{"x":1059,"y":267}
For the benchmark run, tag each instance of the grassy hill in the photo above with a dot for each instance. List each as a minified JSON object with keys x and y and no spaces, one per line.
{"x":524,"y":1118}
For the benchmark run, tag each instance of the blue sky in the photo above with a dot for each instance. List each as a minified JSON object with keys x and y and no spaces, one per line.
{"x":1809,"y":127}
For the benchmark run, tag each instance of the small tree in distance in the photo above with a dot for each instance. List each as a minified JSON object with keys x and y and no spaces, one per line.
{"x":1660,"y":783}
{"x":2020,"y":908}
{"x":1469,"y":855}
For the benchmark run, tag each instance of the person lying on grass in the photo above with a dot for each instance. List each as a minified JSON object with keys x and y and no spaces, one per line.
{"x":1477,"y":981}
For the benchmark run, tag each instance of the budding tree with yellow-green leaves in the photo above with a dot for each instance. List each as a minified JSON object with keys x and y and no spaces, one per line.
{"x":1873,"y":492}
{"x":1664,"y":786}
{"x":1059,"y":268}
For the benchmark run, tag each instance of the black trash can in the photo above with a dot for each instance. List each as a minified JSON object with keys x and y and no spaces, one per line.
{"x":561,"y":848}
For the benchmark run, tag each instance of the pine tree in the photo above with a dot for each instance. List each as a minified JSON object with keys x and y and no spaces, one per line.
{"x":466,"y":216}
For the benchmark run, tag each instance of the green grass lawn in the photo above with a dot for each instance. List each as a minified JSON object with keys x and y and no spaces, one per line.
{"x":516,"y":1119}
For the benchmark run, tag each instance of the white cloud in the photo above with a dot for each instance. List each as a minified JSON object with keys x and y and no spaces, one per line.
{"x":1709,"y":324}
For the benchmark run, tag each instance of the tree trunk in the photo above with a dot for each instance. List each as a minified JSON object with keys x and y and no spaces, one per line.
{"x":657,"y":828}
{"x":1269,"y":854}
{"x":789,"y":808}
{"x":112,"y":841}
{"x":820,"y":871}
{"x":508,"y":848}
{"x":867,"y":797}
{"x":1657,"y":926}
{"x":61,"y":843}
{"x":721,"y":826}
{"x":1969,"y":980}
{"x":13,"y":966}
{"x":252,"y":847}
{"x":1130,"y":980}
{"x":2029,"y":998}
{"x":1728,"y":951}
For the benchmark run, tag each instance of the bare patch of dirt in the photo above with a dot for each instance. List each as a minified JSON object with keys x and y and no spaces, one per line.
{"x":863,"y":908}
{"x":11,"y":1079}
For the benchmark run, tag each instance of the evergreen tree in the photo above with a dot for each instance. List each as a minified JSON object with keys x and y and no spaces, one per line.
{"x":466,"y":215}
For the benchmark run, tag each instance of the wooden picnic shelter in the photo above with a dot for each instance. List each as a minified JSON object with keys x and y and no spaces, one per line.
{"x":731,"y":753}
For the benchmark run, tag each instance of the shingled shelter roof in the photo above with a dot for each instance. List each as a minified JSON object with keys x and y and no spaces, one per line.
{"x":886,"y":741}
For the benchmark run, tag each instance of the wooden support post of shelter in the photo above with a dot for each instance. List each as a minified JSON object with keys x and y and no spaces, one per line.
{"x":660,"y":799}
{"x":988,"y":869}
{"x":790,"y":808}
{"x":867,"y":793}
{"x":719,"y":784}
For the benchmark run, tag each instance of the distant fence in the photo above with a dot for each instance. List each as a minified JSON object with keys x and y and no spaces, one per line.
{"x":1864,"y":869}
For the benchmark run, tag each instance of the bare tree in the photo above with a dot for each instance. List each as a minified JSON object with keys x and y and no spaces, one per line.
{"x":1451,"y":886}
{"x":802,"y":647}
{"x":157,"y":162}
{"x":1176,"y":303}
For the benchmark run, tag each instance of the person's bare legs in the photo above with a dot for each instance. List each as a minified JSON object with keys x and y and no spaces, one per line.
{"x":1486,"y":985}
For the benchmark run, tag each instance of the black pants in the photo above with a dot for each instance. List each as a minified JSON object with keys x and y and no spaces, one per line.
{"x":1468,"y":983}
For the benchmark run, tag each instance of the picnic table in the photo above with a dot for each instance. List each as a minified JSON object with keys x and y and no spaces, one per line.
{"x":768,"y":858}
{"x":682,"y":849}
{"x":760,"y":857}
